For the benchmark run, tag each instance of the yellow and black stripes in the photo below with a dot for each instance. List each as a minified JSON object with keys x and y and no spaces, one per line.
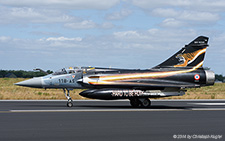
{"x":123,"y":78}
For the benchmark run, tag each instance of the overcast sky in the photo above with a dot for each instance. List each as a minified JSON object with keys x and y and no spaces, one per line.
{"x":112,"y":33}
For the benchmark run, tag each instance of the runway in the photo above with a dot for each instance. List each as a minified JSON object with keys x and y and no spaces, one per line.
{"x":112,"y":120}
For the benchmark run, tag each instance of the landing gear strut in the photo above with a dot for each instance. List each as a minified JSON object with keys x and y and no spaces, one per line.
{"x":140,"y":102}
{"x":70,"y":101}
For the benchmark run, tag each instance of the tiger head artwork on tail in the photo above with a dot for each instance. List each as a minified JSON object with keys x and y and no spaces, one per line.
{"x":189,"y":56}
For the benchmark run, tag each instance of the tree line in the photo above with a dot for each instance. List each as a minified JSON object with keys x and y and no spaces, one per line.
{"x":22,"y":73}
{"x":220,"y":77}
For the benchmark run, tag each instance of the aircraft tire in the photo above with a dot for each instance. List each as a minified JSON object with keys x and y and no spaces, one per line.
{"x":135,"y":103}
{"x":146,"y":103}
{"x":69,"y":104}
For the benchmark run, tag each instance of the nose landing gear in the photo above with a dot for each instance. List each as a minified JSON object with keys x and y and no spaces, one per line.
{"x":70,"y":101}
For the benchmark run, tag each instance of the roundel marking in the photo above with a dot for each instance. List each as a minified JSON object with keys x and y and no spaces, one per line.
{"x":197,"y":77}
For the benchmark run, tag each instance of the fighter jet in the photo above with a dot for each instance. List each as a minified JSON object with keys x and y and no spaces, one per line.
{"x":170,"y":78}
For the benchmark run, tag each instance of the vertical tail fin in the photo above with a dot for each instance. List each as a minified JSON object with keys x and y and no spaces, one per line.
{"x":189,"y":56}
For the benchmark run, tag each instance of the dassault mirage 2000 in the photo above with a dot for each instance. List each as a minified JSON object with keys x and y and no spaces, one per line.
{"x":170,"y":78}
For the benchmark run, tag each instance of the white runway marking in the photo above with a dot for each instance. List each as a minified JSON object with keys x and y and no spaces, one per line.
{"x":211,"y":104}
{"x":117,"y":110}
{"x":208,"y":109}
{"x":96,"y":110}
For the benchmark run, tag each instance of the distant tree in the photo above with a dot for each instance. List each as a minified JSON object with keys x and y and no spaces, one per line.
{"x":22,"y":73}
{"x":219,"y":77}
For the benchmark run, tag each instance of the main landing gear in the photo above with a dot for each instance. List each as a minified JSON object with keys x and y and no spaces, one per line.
{"x":140,"y":102}
{"x":70,"y":101}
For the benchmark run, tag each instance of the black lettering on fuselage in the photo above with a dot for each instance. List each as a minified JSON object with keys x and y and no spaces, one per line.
{"x":66,"y":81}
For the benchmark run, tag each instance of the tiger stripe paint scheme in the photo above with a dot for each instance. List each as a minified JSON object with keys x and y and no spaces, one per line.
{"x":187,"y":62}
{"x":108,"y":79}
{"x":182,"y":70}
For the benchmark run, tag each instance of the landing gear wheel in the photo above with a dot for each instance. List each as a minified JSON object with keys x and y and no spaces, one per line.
{"x":135,"y":103}
{"x":140,"y":102}
{"x":70,"y":101}
{"x":146,"y":103}
{"x":69,"y":104}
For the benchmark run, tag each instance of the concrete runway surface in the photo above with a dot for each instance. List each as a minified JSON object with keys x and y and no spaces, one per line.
{"x":112,"y":120}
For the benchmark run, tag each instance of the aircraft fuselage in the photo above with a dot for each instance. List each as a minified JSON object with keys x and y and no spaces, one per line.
{"x":170,"y":78}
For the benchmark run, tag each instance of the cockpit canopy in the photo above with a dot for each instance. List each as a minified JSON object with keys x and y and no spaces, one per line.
{"x":84,"y":70}
{"x":67,"y":70}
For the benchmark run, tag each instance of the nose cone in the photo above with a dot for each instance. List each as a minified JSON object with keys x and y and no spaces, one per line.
{"x":34,"y":83}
